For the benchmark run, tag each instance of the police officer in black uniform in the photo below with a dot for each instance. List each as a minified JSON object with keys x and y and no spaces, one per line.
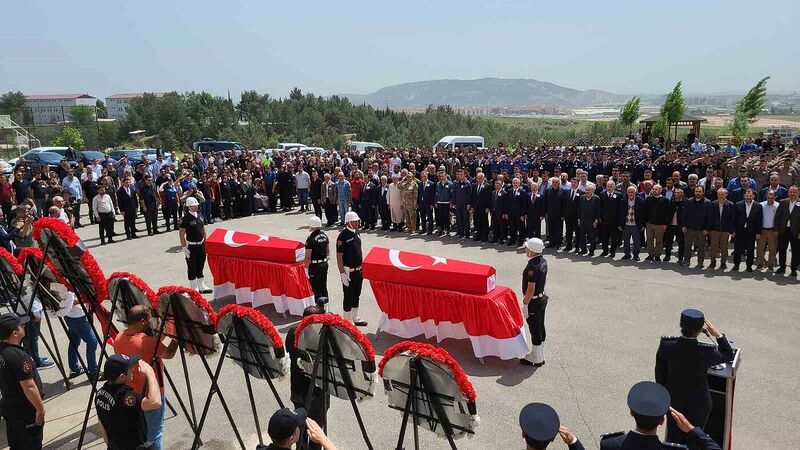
{"x":317,"y":251}
{"x":648,"y":403}
{"x":533,"y":280}
{"x":120,"y":409}
{"x":21,"y":402}
{"x":681,"y":367}
{"x":540,"y":425}
{"x":192,"y":234}
{"x":349,"y":259}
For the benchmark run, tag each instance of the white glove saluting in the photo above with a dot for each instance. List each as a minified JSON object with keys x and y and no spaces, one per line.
{"x":186,"y":252}
{"x":345,"y":278}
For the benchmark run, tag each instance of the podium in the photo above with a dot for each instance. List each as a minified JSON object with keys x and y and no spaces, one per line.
{"x":722,"y":383}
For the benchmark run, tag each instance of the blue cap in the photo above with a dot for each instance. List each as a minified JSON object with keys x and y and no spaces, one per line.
{"x":692,"y":318}
{"x":647,"y":398}
{"x":539,"y":421}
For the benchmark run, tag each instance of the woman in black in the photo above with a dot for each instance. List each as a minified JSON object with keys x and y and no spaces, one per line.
{"x":285,"y":188}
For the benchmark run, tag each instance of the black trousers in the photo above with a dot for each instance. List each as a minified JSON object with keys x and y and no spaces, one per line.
{"x":129,"y":218}
{"x":352,"y":292}
{"x":674,"y":233}
{"x":91,"y":210}
{"x":443,"y":216}
{"x":330,"y":214}
{"x":272,"y":200}
{"x":170,"y":213}
{"x":516,"y":230}
{"x":609,"y":237}
{"x":462,"y":220}
{"x":196,"y":261}
{"x":106,"y":226}
{"x":587,"y":236}
{"x":784,"y":241}
{"x":151,"y":218}
{"x":76,"y":211}
{"x":21,"y":432}
{"x":555,"y":230}
{"x":571,"y":233}
{"x":481,"y":221}
{"x":425,"y":218}
{"x":534,"y":227}
{"x":318,"y":278}
{"x":535,"y":320}
{"x":499,"y":227}
{"x":744,"y":244}
{"x":317,"y":207}
{"x":369,"y":214}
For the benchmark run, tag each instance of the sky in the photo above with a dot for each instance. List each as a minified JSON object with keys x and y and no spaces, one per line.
{"x":625,"y":47}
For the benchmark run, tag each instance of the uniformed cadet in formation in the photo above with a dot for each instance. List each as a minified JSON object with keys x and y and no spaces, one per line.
{"x":682,"y":364}
{"x":317,"y":251}
{"x":192,"y":234}
{"x":533,"y":280}
{"x":20,"y":388}
{"x":120,"y":409}
{"x":540,"y":426}
{"x":648,"y":403}
{"x":348,"y":260}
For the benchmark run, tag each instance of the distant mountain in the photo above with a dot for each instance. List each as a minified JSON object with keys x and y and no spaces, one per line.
{"x":486,"y":91}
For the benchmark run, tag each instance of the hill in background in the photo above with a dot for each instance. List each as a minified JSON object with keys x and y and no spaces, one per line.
{"x":485,"y":91}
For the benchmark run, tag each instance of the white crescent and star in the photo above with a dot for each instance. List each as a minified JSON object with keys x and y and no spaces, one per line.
{"x":394,"y":258}
{"x":230,"y":242}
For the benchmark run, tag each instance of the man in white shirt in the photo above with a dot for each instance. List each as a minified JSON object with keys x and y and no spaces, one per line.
{"x":58,"y":203}
{"x":394,"y":161}
{"x":103,"y":209}
{"x":769,"y":233}
{"x":78,"y":329}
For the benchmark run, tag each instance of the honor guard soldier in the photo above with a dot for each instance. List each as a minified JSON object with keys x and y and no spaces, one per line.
{"x":120,"y":409}
{"x":533,"y":280}
{"x":540,"y":425}
{"x":317,"y":251}
{"x":648,"y":402}
{"x":20,"y":388}
{"x":349,"y":259}
{"x":192,"y":234}
{"x":681,"y":367}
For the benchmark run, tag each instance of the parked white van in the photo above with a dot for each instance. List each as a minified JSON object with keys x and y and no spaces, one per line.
{"x":357,"y":147}
{"x":284,"y":146}
{"x":451,"y":142}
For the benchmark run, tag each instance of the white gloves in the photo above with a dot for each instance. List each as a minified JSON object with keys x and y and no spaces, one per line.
{"x":345,"y":278}
{"x":306,"y":269}
{"x":186,"y":252}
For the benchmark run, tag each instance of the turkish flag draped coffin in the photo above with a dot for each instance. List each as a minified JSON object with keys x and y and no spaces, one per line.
{"x":238,"y":244}
{"x":415,"y":269}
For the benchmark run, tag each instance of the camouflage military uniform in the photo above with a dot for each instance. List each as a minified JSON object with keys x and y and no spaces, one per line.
{"x":408,"y":189}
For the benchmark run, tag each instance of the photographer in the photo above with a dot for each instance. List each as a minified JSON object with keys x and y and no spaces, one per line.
{"x":23,"y":222}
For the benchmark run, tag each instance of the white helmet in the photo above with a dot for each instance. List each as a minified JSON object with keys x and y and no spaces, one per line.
{"x":535,"y":245}
{"x":314,"y":222}
{"x":191,"y":201}
{"x":351,"y":216}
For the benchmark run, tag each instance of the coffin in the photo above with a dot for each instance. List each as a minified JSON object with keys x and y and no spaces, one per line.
{"x":238,"y":244}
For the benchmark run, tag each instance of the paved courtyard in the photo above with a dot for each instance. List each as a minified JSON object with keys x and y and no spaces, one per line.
{"x":604,"y":321}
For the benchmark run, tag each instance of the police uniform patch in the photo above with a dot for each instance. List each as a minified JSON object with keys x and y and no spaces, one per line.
{"x":27,"y":367}
{"x":129,"y":400}
{"x":530,"y":273}
{"x":338,"y":242}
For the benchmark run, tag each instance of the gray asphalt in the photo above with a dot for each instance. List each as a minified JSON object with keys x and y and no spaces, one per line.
{"x":604,"y":321}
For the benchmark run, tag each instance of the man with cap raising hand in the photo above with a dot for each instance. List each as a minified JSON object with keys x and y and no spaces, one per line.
{"x":20,"y":388}
{"x":540,"y":425}
{"x":192,"y":234}
{"x":648,"y":402}
{"x":120,"y":409}
{"x":681,"y":367}
{"x":284,"y":430}
{"x":316,"y":262}
{"x":533,"y":280}
{"x":349,"y":259}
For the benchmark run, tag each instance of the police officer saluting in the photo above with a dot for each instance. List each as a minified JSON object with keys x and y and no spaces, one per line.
{"x":349,"y":259}
{"x":20,"y":388}
{"x":533,"y":281}
{"x":192,"y":234}
{"x":681,"y":367}
{"x":540,"y":425}
{"x":120,"y":409}
{"x":317,"y":251}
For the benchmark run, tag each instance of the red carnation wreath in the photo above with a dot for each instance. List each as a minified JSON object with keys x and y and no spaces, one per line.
{"x":139,"y":283}
{"x":335,"y":320}
{"x":210,"y":342}
{"x":37,"y":255}
{"x":13,"y":262}
{"x":254,"y":316}
{"x":438,"y":355}
{"x":143,"y":295}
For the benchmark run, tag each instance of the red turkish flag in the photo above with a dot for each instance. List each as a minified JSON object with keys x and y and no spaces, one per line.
{"x":416,"y":269}
{"x":239,"y":244}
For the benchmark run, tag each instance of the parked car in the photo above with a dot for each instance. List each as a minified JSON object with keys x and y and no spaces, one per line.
{"x":87,"y":156}
{"x":35,"y":161}
{"x":208,"y":145}
{"x":152,"y":154}
{"x":359,"y":148}
{"x":131,"y":154}
{"x":6,"y":167}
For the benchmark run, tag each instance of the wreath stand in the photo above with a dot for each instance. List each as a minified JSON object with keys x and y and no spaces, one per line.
{"x":177,"y":313}
{"x":421,"y":389}
{"x":238,"y":335}
{"x":328,"y":348}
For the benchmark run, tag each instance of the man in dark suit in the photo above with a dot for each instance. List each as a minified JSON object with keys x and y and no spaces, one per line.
{"x":555,"y":203}
{"x":787,"y":221}
{"x":721,"y":222}
{"x":749,"y":219}
{"x":774,"y":185}
{"x":674,"y":226}
{"x":589,"y":210}
{"x":535,"y":211}
{"x":499,"y":213}
{"x":571,"y":217}
{"x":609,"y":219}
{"x":128,"y":200}
{"x":427,"y":200}
{"x":681,"y":366}
{"x":656,"y":213}
{"x":383,"y":204}
{"x":631,"y":222}
{"x":481,"y":206}
{"x":517,"y":207}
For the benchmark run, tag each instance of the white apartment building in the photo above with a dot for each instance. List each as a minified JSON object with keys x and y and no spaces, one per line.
{"x":55,"y":108}
{"x":117,"y":104}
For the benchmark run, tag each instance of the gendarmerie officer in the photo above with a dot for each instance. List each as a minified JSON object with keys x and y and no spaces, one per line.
{"x":648,"y":403}
{"x":349,"y":259}
{"x":681,"y":367}
{"x":20,"y":388}
{"x":540,"y":425}
{"x":120,"y":409}
{"x":192,"y":234}
{"x":317,"y":251}
{"x":533,"y":280}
